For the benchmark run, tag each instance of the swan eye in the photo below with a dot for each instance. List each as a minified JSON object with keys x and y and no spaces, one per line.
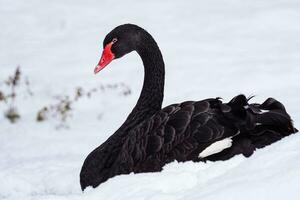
{"x":114,"y":40}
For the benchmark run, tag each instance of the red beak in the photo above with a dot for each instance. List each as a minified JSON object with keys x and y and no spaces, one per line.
{"x":106,"y":58}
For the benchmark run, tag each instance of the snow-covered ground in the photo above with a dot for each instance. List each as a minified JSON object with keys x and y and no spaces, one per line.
{"x":211,"y":48}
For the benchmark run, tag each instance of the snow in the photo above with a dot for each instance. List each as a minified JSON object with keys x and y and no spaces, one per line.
{"x":211,"y":48}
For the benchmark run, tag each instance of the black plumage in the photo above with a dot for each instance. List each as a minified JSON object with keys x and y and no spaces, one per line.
{"x":151,"y":137}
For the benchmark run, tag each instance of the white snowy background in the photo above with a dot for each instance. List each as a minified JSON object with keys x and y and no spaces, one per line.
{"x":211,"y":48}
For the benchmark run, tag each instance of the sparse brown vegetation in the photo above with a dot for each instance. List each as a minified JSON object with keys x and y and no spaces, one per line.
{"x":62,"y":109}
{"x":9,"y":98}
{"x":63,"y":105}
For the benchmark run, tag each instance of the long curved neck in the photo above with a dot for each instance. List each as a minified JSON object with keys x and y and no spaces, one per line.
{"x":151,"y":97}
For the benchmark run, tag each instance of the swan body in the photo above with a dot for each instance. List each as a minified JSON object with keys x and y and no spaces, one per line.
{"x":193,"y":130}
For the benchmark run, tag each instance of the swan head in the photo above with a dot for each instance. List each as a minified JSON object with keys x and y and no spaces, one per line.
{"x":119,"y":42}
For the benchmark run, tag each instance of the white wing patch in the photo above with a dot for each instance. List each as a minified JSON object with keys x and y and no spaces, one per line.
{"x":216,"y":147}
{"x":263,"y":111}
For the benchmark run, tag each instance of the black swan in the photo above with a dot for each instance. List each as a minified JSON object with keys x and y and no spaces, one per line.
{"x":193,"y":130}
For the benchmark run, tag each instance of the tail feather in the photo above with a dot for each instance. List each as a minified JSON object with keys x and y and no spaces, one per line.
{"x":273,"y":114}
{"x":262,"y":124}
{"x":272,"y":104}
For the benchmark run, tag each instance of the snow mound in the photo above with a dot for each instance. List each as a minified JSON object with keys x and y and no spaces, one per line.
{"x":271,"y":173}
